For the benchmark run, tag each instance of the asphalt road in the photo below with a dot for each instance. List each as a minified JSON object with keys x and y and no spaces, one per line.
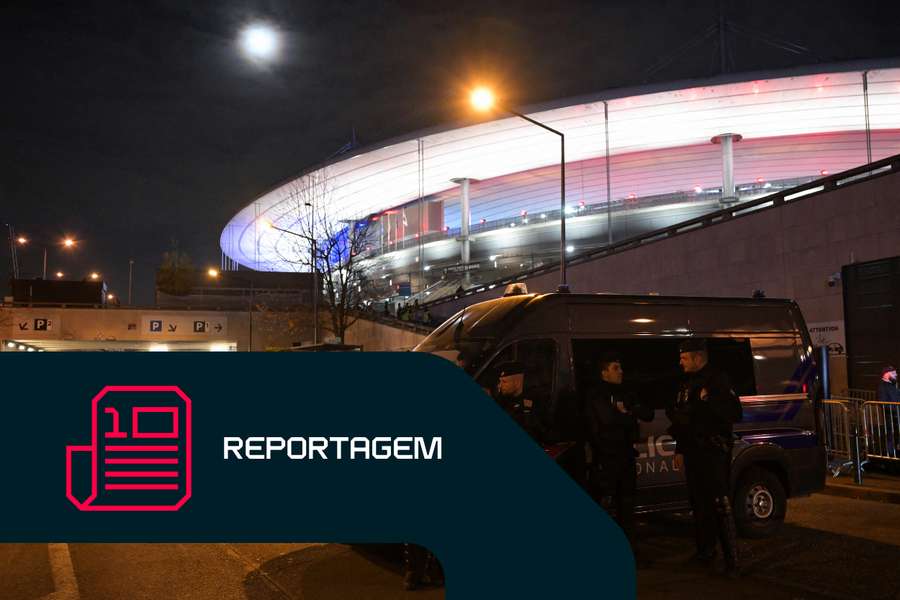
{"x":831,"y":547}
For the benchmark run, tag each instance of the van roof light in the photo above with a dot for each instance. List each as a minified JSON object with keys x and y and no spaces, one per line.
{"x":515,"y":289}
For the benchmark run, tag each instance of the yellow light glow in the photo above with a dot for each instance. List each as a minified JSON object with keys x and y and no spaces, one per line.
{"x":213,"y":272}
{"x":59,"y":274}
{"x":482,"y":98}
{"x":110,"y":297}
{"x":95,"y":275}
{"x":22,"y":239}
{"x":68,"y":242}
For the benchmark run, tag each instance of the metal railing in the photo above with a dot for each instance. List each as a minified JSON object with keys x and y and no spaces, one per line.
{"x":881,"y":424}
{"x":859,"y":429}
{"x":886,"y":166}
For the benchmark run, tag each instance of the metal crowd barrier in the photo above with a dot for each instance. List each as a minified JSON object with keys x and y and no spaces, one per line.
{"x":859,"y":429}
{"x":881,"y":424}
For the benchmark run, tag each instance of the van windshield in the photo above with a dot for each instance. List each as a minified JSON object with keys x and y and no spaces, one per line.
{"x":474,"y":330}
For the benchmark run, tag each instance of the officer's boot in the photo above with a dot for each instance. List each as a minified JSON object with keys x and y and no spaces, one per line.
{"x":728,"y":536}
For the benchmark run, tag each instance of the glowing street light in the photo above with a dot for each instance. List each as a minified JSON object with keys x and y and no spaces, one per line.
{"x":60,"y":275}
{"x":212,"y":273}
{"x":95,"y":276}
{"x":483,"y":100}
{"x":260,"y":42}
{"x":22,"y":240}
{"x":68,"y":243}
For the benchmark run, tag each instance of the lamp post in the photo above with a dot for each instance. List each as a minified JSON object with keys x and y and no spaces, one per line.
{"x":483,"y":99}
{"x":66,"y":242}
{"x":214,"y":274}
{"x":314,"y":271}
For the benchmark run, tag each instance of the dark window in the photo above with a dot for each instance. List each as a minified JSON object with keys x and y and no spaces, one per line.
{"x":652,"y":369}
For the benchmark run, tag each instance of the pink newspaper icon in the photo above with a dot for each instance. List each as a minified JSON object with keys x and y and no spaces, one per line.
{"x":139,"y":458}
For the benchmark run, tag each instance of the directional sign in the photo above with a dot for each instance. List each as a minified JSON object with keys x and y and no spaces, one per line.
{"x":183,"y":326}
{"x":43,"y":325}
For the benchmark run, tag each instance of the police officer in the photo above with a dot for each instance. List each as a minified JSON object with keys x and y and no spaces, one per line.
{"x":527,"y":406}
{"x":613,"y":430}
{"x":702,"y":418}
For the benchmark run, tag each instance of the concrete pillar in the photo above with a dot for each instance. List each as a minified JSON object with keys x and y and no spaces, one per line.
{"x":727,"y":140}
{"x":465,"y":216}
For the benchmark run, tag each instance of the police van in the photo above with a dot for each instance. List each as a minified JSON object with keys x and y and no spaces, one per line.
{"x":762,"y":344}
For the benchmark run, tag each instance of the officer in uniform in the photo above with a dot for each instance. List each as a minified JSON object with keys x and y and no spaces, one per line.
{"x":527,"y":406}
{"x":613,"y":430}
{"x":702,"y":418}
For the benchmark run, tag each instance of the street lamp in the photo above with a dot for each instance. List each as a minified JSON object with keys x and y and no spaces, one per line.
{"x":213,"y":273}
{"x":94,"y":276}
{"x":483,"y":100}
{"x":67,"y":242}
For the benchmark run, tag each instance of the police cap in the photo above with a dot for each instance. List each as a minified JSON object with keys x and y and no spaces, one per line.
{"x":510,"y":368}
{"x":887,"y":369}
{"x":693,"y":345}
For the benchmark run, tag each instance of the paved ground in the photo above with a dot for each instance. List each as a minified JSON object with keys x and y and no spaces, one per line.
{"x":831,"y":547}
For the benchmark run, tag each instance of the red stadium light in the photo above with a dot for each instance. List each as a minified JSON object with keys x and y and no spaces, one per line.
{"x":632,"y":196}
{"x":823,"y":172}
{"x":760,"y":180}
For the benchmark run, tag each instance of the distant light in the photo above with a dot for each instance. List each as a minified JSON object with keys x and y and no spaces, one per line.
{"x":30,"y":349}
{"x":21,"y":347}
{"x":767,"y":185}
{"x":512,"y":224}
{"x":68,"y":242}
{"x":10,"y":344}
{"x":158,"y":348}
{"x":570,"y":248}
{"x":59,"y":274}
{"x":482,"y":98}
{"x":632,"y":196}
{"x":823,"y":172}
{"x":642,"y":320}
{"x":698,"y":189}
{"x":259,"y":41}
{"x":427,"y":267}
{"x":759,"y":357}
{"x":543,"y":215}
{"x":760,"y":179}
{"x":110,"y":296}
{"x":493,"y":257}
{"x":213,"y":273}
{"x":22,"y":239}
{"x":95,"y":275}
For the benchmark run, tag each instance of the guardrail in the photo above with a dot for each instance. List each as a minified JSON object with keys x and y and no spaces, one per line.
{"x":881,"y":424}
{"x":859,"y":429}
{"x":886,"y":166}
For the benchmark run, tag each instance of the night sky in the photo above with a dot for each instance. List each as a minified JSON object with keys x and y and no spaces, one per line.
{"x":130,"y":124}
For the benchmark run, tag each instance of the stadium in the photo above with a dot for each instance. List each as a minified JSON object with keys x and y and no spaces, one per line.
{"x":636,"y":160}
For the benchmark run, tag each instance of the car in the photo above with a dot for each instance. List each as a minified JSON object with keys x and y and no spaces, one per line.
{"x":762,"y":344}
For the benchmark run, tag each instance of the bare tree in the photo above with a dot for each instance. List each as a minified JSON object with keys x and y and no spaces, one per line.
{"x":316,"y":237}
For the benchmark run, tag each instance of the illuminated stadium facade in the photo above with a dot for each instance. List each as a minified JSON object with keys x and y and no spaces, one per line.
{"x":636,"y":160}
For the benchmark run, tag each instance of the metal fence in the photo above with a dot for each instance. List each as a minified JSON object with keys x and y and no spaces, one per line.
{"x":860,"y":429}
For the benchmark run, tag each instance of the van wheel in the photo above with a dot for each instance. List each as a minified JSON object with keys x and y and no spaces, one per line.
{"x":759,"y":503}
